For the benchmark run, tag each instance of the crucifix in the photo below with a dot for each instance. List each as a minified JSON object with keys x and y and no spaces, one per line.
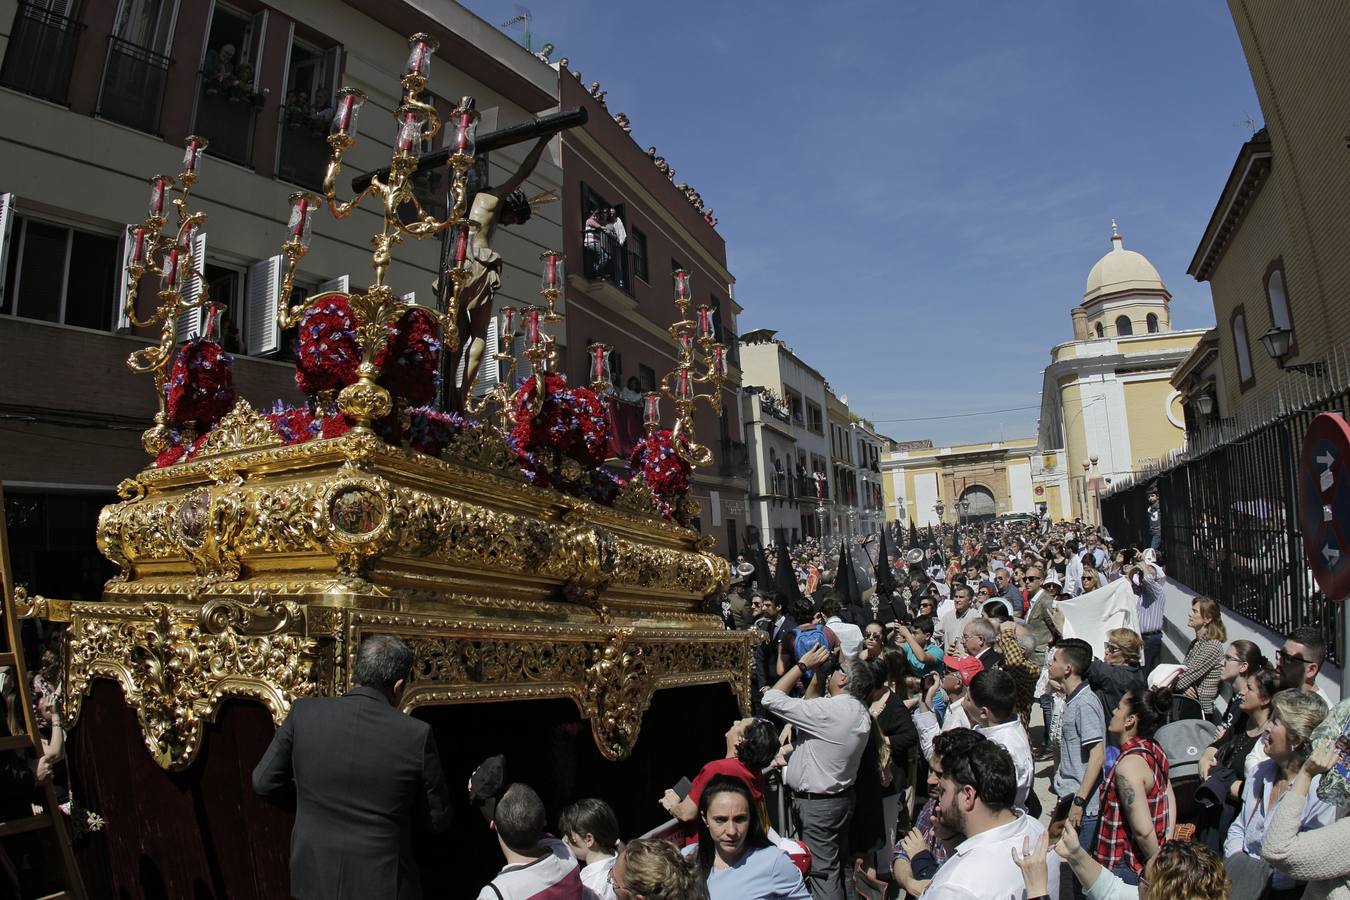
{"x":488,"y":206}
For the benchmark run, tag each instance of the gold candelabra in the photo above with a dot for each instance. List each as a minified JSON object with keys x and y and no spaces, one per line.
{"x":168,"y":256}
{"x":377,"y":307}
{"x":540,"y":347}
{"x":681,"y":383}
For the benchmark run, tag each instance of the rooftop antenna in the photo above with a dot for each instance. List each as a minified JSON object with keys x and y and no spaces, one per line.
{"x":1248,"y":121}
{"x":522,"y":15}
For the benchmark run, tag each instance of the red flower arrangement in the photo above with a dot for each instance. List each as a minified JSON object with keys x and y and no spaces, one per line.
{"x":571,"y":422}
{"x":570,"y":425}
{"x":179,"y":450}
{"x":655,"y":460}
{"x":296,"y":425}
{"x":326,"y":354}
{"x":410,"y":361}
{"x":200,"y":389}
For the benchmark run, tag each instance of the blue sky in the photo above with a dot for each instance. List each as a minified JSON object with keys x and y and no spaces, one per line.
{"x":912,"y":193}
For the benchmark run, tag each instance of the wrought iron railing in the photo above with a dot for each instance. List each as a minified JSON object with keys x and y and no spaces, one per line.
{"x":227,"y":113}
{"x":735,"y":459}
{"x":303,"y":157}
{"x":41,"y":53}
{"x":607,"y":260}
{"x":132,"y":89}
{"x":1230,"y":517}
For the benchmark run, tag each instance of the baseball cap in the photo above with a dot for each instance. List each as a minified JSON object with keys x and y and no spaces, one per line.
{"x":967,"y":667}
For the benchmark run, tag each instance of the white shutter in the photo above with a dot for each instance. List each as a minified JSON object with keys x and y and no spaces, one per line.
{"x":191,"y":322}
{"x":338,"y":284}
{"x":6,"y":227}
{"x":260,"y":307}
{"x":487,"y":367}
{"x":121,"y":321}
{"x":410,"y":297}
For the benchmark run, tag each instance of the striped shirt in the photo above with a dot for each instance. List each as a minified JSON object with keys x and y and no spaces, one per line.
{"x":1151,"y":604}
{"x":1115,"y":845}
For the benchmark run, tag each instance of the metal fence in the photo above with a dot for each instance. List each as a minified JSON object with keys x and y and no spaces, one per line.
{"x":41,"y":53}
{"x":134,"y":80}
{"x":1230,"y":510}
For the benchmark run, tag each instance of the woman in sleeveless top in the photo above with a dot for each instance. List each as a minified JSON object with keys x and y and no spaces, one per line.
{"x":1136,"y":797}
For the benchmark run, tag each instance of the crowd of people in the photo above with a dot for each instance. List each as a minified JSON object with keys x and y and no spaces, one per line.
{"x":912,"y":707}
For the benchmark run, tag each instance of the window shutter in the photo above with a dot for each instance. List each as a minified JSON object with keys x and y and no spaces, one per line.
{"x":410,"y":297}
{"x":191,"y":322}
{"x":6,"y":227}
{"x":488,"y":374}
{"x":338,"y":284}
{"x":260,"y":309}
{"x":120,"y":319}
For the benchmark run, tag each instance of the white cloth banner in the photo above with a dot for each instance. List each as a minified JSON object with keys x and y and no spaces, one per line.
{"x":1090,"y":616}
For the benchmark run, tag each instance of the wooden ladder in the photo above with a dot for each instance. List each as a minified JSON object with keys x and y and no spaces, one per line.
{"x":11,"y":654}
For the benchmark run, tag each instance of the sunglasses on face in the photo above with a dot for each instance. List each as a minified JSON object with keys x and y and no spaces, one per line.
{"x":872,"y":636}
{"x":1111,"y":648}
{"x":1282,"y":657}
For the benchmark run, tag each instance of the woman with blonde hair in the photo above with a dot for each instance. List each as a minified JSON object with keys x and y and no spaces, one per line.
{"x":1198,"y":683}
{"x":653,"y":869}
{"x":1179,"y":871}
{"x":1294,"y":714}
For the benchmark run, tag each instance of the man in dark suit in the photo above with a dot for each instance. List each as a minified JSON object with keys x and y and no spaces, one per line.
{"x":365,"y":775}
{"x":781,"y":626}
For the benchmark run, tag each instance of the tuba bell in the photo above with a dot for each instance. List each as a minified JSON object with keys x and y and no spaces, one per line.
{"x":914,"y":557}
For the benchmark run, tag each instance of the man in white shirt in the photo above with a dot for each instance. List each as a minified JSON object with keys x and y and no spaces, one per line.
{"x":850,"y":635}
{"x":991,"y":704}
{"x":537,"y":864}
{"x":829,"y":734}
{"x":952,"y":624}
{"x":975,"y":795}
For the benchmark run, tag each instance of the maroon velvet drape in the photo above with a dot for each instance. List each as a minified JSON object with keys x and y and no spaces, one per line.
{"x":197,"y":834}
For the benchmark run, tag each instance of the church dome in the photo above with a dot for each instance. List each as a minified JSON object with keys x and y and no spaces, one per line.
{"x":1121,"y":271}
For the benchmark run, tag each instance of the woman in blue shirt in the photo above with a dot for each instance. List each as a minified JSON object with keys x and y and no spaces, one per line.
{"x":734,"y":853}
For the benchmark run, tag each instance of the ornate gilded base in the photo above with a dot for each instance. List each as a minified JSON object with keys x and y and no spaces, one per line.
{"x":255,"y":570}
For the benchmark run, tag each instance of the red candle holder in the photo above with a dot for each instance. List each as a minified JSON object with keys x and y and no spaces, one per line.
{"x":303,"y":206}
{"x":348,"y":107}
{"x":466,"y":129}
{"x":412,"y":123}
{"x":186,"y":238}
{"x":719,"y":360}
{"x":192,"y":154}
{"x":137,"y":246}
{"x":168,"y":280}
{"x":420,"y":48}
{"x":461,"y":243}
{"x":553,"y":276}
{"x":508,"y":327}
{"x":651,"y":409}
{"x":159,"y":184}
{"x":686,"y":342}
{"x":532,"y":319}
{"x":683,"y":289}
{"x":684,"y":384}
{"x":600,"y":372}
{"x":705,"y":328}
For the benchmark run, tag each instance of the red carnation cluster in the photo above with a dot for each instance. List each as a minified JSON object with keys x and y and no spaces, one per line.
{"x":179,"y":450}
{"x":655,"y":460}
{"x":200,"y":389}
{"x":571,"y":422}
{"x":570,"y":425}
{"x":410,"y":361}
{"x":326,"y":351}
{"x":296,"y":425}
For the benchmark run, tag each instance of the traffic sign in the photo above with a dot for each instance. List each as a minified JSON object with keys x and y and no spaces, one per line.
{"x":1324,"y":507}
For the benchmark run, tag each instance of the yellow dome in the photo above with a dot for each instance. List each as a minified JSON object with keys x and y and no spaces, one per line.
{"x":1121,"y":271}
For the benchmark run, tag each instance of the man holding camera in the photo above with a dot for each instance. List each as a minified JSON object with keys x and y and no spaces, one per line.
{"x":831,"y":726}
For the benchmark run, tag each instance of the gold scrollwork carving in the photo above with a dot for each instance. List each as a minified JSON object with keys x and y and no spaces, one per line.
{"x":175,"y":664}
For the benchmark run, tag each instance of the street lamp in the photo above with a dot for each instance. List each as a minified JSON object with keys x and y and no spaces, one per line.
{"x":1278,"y":342}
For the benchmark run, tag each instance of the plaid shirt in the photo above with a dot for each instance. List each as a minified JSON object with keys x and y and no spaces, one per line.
{"x":1025,"y":672}
{"x":927,"y":826}
{"x":1115,"y":846}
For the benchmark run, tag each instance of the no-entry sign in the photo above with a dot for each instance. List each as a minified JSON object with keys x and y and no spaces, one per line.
{"x":1324,"y":510}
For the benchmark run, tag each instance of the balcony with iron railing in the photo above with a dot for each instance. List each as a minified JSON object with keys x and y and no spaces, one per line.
{"x":227,"y":114}
{"x":132,"y":89}
{"x":606,"y":260}
{"x":304,"y":153}
{"x":41,"y":53}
